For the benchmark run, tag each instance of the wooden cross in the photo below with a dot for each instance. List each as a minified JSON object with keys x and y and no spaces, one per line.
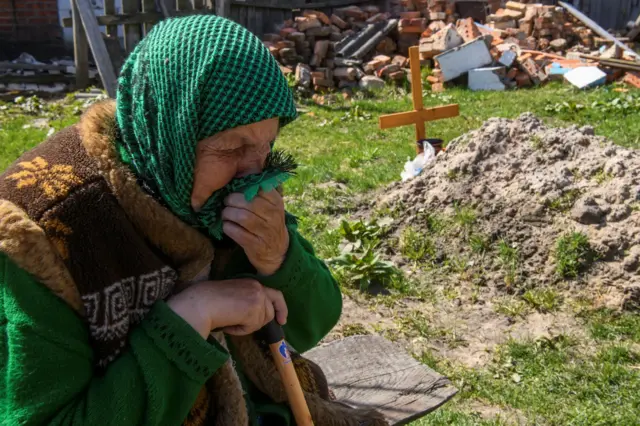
{"x":420,"y":115}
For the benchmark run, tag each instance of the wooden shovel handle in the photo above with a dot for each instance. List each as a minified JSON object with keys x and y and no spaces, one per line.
{"x":274,"y":336}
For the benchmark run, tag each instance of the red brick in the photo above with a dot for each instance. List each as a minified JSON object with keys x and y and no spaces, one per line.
{"x":409,"y":15}
{"x":41,"y":20}
{"x":52,"y":13}
{"x":633,"y":79}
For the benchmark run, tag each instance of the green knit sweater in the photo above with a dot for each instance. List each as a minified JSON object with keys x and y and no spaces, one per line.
{"x":46,"y":368}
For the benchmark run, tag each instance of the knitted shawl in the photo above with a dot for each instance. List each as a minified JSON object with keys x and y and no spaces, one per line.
{"x":189,"y":79}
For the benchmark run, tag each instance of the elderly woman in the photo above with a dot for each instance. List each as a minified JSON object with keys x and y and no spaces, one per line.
{"x":141,"y":248}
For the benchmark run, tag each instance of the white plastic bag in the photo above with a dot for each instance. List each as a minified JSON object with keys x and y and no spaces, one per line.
{"x":413,"y":168}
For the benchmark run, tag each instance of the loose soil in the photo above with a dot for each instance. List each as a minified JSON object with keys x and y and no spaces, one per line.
{"x":526,"y":185}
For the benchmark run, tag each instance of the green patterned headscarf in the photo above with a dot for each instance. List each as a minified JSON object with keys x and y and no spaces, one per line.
{"x":189,"y":79}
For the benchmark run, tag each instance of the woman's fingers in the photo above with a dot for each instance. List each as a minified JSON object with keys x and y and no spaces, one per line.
{"x":279,"y":305}
{"x":242,"y":226}
{"x":274,"y":198}
{"x":259,"y":206}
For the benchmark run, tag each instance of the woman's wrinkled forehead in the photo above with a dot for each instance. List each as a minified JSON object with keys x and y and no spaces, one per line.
{"x":258,"y":134}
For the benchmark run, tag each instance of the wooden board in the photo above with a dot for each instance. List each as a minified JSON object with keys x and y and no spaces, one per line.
{"x":80,"y":49}
{"x":148,"y":6}
{"x":369,"y":371}
{"x":416,"y":88}
{"x":132,"y":32}
{"x":297,"y":5}
{"x":98,"y":47}
{"x":223,"y":8}
{"x":37,"y":79}
{"x":110,"y":9}
{"x":122,"y":19}
{"x":184,"y":5}
{"x":31,"y":67}
{"x":411,"y":117}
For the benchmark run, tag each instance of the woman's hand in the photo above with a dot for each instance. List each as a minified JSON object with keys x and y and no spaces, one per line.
{"x":238,"y":307}
{"x":259,"y":228}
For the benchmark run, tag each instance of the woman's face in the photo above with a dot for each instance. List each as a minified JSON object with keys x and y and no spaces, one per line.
{"x":233,"y":153}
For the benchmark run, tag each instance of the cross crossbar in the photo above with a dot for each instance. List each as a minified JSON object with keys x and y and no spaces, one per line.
{"x":420,"y":115}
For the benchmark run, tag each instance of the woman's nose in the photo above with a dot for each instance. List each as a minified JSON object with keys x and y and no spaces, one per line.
{"x":252,"y":165}
{"x":251,"y":169}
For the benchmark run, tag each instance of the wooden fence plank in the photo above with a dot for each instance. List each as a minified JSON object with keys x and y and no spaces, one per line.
{"x":251,"y":19}
{"x":259,"y":20}
{"x":198,"y":4}
{"x":80,"y":49}
{"x":110,"y":9}
{"x":33,"y":67}
{"x":297,"y":5}
{"x":242,"y":16}
{"x":98,"y":47}
{"x":223,"y":8}
{"x":183,"y":5}
{"x":135,"y":18}
{"x":132,"y":32}
{"x":148,"y":6}
{"x":37,"y":79}
{"x":168,"y":8}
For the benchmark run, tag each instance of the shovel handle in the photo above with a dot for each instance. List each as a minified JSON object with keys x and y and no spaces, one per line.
{"x":273,"y":334}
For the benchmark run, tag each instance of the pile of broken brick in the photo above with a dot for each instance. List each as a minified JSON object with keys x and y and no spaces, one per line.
{"x":520,"y":44}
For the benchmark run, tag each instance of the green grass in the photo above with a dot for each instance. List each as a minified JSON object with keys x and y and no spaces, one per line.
{"x":450,"y":416}
{"x":464,"y":217}
{"x":480,"y":244}
{"x":343,"y":154}
{"x":601,"y":176}
{"x":607,"y":325}
{"x":355,"y":329}
{"x":509,"y":257}
{"x":416,"y":245}
{"x":510,"y":307}
{"x":573,"y":254}
{"x":552,"y":382}
{"x":543,"y":299}
{"x":565,"y":202}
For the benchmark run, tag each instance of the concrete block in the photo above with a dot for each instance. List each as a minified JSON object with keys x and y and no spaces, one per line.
{"x":303,"y":75}
{"x":371,"y":83}
{"x":461,"y":60}
{"x":487,"y":79}
{"x":508,"y":58}
{"x":585,"y":77}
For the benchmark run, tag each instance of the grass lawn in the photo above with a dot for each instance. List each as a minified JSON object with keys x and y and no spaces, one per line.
{"x":345,"y":157}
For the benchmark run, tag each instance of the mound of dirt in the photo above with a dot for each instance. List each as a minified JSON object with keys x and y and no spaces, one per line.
{"x":529,"y":185}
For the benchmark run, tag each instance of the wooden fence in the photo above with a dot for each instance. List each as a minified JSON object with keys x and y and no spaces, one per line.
{"x":139,"y":16}
{"x":261,"y":16}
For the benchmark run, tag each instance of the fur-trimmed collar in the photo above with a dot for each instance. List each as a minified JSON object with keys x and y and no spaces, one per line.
{"x":191,"y":252}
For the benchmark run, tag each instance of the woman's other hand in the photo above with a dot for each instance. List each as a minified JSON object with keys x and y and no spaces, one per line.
{"x":238,"y":307}
{"x":259,"y":228}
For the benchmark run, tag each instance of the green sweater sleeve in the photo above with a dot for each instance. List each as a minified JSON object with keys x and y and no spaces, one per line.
{"x":46,"y":363}
{"x":312,"y":294}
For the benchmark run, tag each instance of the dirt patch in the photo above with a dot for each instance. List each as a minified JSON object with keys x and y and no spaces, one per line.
{"x":511,"y":417}
{"x":529,"y":185}
{"x":504,"y":195}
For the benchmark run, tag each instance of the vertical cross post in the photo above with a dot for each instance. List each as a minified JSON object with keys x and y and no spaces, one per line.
{"x":420,"y":115}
